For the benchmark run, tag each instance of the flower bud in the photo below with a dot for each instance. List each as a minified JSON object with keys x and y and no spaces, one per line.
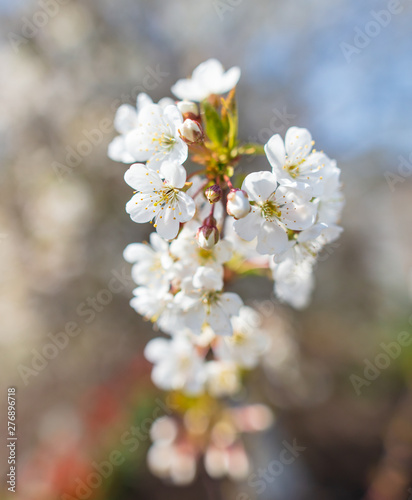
{"x":207,"y":236}
{"x":191,"y":132}
{"x":188,"y":109}
{"x":238,"y":205}
{"x":214,"y":193}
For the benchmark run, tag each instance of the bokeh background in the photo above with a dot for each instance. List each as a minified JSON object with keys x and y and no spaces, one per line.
{"x":65,"y":68}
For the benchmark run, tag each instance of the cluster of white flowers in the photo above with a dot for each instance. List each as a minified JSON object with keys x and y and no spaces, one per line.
{"x":207,"y":231}
{"x":214,"y":434}
{"x":288,"y":214}
{"x":181,"y":290}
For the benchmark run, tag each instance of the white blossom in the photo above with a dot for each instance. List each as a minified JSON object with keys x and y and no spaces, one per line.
{"x":157,"y":305}
{"x":177,"y":365}
{"x":206,"y":233}
{"x":294,"y":160}
{"x":172,"y":462}
{"x":190,"y":256}
{"x":151,"y":303}
{"x":159,"y":199}
{"x":274,"y":210}
{"x":307,"y":244}
{"x":156,"y":137}
{"x":331,"y":201}
{"x":205,"y":304}
{"x":126,"y":120}
{"x":247,"y":343}
{"x":293,"y":270}
{"x":207,"y":79}
{"x":152,"y":264}
{"x":294,"y":282}
{"x":244,"y":251}
{"x":222,"y":378}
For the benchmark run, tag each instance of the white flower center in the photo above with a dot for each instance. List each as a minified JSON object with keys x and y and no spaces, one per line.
{"x":238,"y":338}
{"x":167,"y":195}
{"x":210,"y":298}
{"x":293,"y":170}
{"x":270,"y":210}
{"x":165,"y":140}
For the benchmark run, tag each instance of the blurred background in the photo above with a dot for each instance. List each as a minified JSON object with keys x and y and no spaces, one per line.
{"x":342,"y":69}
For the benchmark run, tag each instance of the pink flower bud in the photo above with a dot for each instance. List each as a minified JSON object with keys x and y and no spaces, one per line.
{"x":214,"y":193}
{"x":238,"y":205}
{"x":188,"y":109}
{"x":191,"y":132}
{"x":207,"y":237}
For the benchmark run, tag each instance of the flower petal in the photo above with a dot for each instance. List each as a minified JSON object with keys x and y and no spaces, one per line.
{"x":158,"y":243}
{"x":173,"y":116}
{"x":298,"y":144}
{"x":260,"y":185}
{"x":276,"y":154}
{"x":178,"y":154}
{"x":299,"y":217}
{"x":167,"y":226}
{"x":174,"y":173}
{"x":139,"y":210}
{"x":125,"y":119}
{"x":272,"y":239}
{"x":208,"y":72}
{"x":231,"y":303}
{"x":139,"y":177}
{"x":208,"y":278}
{"x":219,"y":321}
{"x":157,"y":349}
{"x":143,"y":100}
{"x":248,"y":227}
{"x":136,"y":252}
{"x":117,"y":150}
{"x":188,"y":89}
{"x":208,"y":78}
{"x":229,"y":80}
{"x":311,"y":233}
{"x":137,"y":145}
{"x":186,"y":207}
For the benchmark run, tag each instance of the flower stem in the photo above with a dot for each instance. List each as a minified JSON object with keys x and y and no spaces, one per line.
{"x":228,"y":181}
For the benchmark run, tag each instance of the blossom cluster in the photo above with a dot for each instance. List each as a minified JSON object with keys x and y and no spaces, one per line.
{"x":206,"y":432}
{"x":212,"y":226}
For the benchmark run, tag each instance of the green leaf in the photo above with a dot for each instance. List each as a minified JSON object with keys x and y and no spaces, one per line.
{"x":213,"y":124}
{"x":230,"y":107}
